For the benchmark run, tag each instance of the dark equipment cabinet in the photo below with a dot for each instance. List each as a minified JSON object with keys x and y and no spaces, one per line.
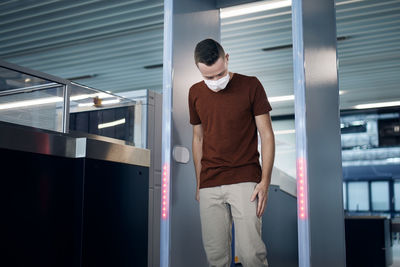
{"x":61,"y":210}
{"x":115,"y":217}
{"x":41,"y":209}
{"x":368,"y":242}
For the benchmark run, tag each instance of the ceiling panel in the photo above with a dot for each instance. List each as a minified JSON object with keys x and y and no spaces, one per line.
{"x":108,"y":44}
{"x":369,"y":56}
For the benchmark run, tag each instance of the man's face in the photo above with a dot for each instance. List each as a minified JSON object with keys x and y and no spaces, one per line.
{"x":216,"y":71}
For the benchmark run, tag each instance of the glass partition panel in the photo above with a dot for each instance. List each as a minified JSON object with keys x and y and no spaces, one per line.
{"x":380,"y":195}
{"x":31,"y":101}
{"x":397,"y":195}
{"x":285,"y":142}
{"x":358,"y":196}
{"x":12,"y":79}
{"x":83,"y":98}
{"x":101,"y":113}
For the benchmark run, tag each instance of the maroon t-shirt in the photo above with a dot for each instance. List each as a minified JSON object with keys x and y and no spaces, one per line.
{"x":230,"y":142}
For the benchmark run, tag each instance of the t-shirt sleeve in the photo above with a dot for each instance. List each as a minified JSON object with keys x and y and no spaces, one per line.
{"x":260,"y":103}
{"x":194,"y":116}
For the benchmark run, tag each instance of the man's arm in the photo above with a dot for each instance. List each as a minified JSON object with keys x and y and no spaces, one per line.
{"x":264,"y":127}
{"x":197,"y":150}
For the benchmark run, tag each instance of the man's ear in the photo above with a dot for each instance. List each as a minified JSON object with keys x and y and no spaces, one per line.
{"x":227,"y":57}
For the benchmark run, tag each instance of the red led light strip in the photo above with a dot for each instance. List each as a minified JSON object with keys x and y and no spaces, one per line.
{"x":301,"y":188}
{"x":164,"y":193}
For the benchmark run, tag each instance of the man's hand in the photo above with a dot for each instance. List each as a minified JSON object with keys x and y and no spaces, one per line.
{"x":264,"y":127}
{"x":260,"y":191}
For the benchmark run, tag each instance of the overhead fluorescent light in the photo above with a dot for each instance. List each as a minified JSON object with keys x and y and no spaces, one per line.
{"x":281,"y":98}
{"x":289,"y":97}
{"x":290,"y":131}
{"x":348,"y":2}
{"x":111,"y":124}
{"x":85,"y":96}
{"x":50,"y":100}
{"x":86,"y":104}
{"x":253,"y":8}
{"x":378,"y":105}
{"x":35,"y":102}
{"x":371,"y":162}
{"x":107,"y":102}
{"x":357,"y":123}
{"x":393,"y":160}
{"x":263,"y":6}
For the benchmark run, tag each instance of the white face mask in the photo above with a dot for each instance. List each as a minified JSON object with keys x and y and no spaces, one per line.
{"x":218,"y":84}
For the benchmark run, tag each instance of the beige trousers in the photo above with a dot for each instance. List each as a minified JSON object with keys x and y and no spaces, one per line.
{"x":218,"y":207}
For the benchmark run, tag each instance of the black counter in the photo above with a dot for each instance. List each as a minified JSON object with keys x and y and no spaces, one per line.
{"x":73,"y":209}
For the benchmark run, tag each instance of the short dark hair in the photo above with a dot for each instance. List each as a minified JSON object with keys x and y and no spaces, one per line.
{"x":208,"y":52}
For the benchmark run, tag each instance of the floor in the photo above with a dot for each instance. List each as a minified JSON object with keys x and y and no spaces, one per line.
{"x":396,"y":254}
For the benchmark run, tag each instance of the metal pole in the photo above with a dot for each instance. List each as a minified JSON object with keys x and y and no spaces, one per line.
{"x":65,"y":121}
{"x":319,"y":165}
{"x":166,"y":135}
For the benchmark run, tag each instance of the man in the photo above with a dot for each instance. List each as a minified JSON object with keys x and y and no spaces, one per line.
{"x":226,"y":110}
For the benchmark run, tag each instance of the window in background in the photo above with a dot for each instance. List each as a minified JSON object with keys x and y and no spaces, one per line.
{"x":358,"y":196}
{"x":397,"y":195}
{"x":285,"y":143}
{"x":380,"y":195}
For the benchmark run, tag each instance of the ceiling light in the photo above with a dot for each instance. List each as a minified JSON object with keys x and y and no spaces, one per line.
{"x":291,"y":131}
{"x":84,"y":96}
{"x":253,"y":8}
{"x":378,"y":105}
{"x":357,"y":123}
{"x":348,"y":2}
{"x":86,"y":104}
{"x":111,"y":124}
{"x":27,"y":103}
{"x":281,"y":98}
{"x":109,"y":102}
{"x":289,"y":97}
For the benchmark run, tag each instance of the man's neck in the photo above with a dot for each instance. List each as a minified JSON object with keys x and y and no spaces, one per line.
{"x":230,"y":75}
